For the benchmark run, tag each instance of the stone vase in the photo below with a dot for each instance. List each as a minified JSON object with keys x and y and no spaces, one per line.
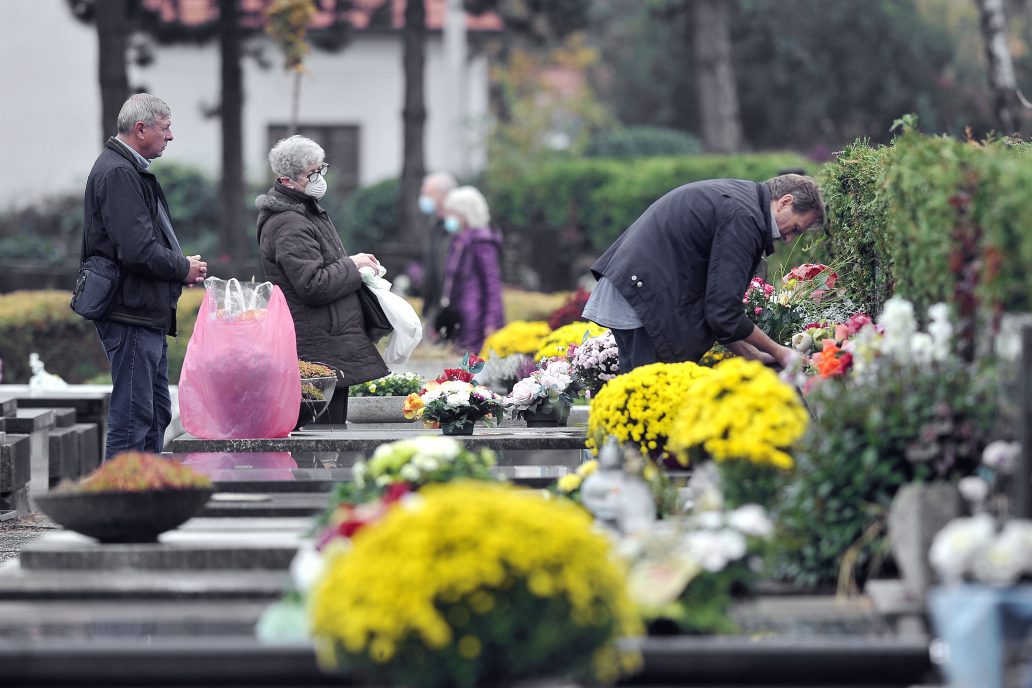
{"x":547,"y":415}
{"x":462,"y":427}
{"x":377,"y":410}
{"x":917,"y":513}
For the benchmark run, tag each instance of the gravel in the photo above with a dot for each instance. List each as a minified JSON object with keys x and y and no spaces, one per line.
{"x":15,"y":533}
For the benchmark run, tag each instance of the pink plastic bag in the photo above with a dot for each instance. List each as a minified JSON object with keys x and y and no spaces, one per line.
{"x":240,"y":377}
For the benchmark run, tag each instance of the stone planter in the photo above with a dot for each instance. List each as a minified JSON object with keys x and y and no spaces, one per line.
{"x":377,"y":410}
{"x":547,"y":416}
{"x":917,"y":513}
{"x":462,"y":427}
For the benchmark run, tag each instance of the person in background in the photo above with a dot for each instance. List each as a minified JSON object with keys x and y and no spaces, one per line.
{"x":302,"y":253}
{"x":435,"y":188}
{"x":473,"y":273}
{"x":126,"y":220}
{"x":673,"y":282}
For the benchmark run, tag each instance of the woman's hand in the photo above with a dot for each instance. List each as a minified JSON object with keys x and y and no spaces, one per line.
{"x":362,"y":260}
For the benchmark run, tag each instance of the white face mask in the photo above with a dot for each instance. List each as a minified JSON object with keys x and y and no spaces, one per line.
{"x":317,"y":188}
{"x":427,"y":205}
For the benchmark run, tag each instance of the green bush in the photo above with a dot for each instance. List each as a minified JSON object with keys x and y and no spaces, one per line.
{"x":601,"y":197}
{"x":49,"y":232}
{"x":642,"y":142}
{"x":193,"y":203}
{"x":933,"y":219}
{"x":42,"y":322}
{"x":370,"y":215}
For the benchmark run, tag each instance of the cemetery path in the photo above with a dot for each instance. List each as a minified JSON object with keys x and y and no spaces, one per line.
{"x":16,"y":533}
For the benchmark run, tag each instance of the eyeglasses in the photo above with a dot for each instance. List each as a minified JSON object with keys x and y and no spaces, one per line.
{"x":321,"y":170}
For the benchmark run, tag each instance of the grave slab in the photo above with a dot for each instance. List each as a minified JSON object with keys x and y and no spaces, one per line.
{"x":89,"y":401}
{"x":64,"y":416}
{"x":8,"y":404}
{"x":89,"y":446}
{"x":186,"y":549}
{"x":15,"y":473}
{"x":65,"y":463}
{"x":37,"y":424}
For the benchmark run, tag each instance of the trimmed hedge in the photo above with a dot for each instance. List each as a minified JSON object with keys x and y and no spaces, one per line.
{"x":933,"y":219}
{"x":42,"y":322}
{"x":601,"y":197}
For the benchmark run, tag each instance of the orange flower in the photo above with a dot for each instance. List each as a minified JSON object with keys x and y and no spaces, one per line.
{"x":413,"y":407}
{"x":832,"y":361}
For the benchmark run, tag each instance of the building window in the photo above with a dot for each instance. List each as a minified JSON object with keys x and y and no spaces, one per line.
{"x":340,"y":141}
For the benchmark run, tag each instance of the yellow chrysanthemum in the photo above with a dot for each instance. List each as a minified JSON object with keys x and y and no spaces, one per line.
{"x":740,"y":411}
{"x":417,"y":591}
{"x":517,"y":337}
{"x":557,"y":341}
{"x":640,"y":406}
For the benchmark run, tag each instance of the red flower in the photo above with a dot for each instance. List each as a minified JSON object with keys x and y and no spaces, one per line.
{"x":455,"y":374}
{"x":474,"y":360}
{"x":832,"y":361}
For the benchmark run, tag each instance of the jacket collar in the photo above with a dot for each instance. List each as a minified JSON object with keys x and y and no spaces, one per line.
{"x":119,"y":148}
{"x":298,"y":197}
{"x":764,"y":197}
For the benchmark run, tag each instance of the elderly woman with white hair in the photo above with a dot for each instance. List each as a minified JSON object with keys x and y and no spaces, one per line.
{"x":302,"y":253}
{"x":473,"y":275}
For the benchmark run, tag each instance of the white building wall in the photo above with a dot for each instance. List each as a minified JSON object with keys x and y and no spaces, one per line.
{"x":50,"y":111}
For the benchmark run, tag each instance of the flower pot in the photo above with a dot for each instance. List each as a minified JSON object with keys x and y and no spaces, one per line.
{"x":124,"y":516}
{"x":377,"y":410}
{"x":547,"y":416}
{"x":460,"y":427}
{"x":313,"y":408}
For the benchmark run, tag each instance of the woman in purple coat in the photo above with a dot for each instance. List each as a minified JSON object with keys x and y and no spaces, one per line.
{"x":473,"y":274}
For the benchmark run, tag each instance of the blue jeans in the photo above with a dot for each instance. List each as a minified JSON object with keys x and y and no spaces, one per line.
{"x":141,"y":407}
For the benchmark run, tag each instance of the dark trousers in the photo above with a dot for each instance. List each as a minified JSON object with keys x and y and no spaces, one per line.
{"x":141,"y":407}
{"x":635,"y":348}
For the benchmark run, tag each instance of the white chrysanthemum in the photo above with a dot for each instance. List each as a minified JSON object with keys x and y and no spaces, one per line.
{"x":900,"y":326}
{"x":410,"y":472}
{"x":922,"y":348}
{"x":940,"y":330}
{"x":1001,"y":456}
{"x":307,"y":566}
{"x":751,"y":519}
{"x":973,"y":489}
{"x":957,"y":546}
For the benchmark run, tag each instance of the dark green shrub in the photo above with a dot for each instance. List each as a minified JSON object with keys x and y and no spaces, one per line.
{"x":50,"y":231}
{"x":642,"y":142}
{"x":370,"y":215}
{"x":193,"y":202}
{"x":42,"y":322}
{"x":599,"y":198}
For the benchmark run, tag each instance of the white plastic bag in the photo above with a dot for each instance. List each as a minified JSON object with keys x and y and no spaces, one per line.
{"x":408,"y":329}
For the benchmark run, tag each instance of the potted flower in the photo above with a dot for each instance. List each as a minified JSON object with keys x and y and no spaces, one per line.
{"x":318,"y":381}
{"x":508,"y":349}
{"x":382,"y":400}
{"x":537,"y":594}
{"x":640,"y":406}
{"x":544,"y":398}
{"x":133,"y":497}
{"x":455,"y":401}
{"x":595,"y":362}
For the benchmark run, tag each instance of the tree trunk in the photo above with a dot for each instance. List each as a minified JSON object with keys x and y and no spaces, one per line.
{"x":295,"y":104}
{"x":413,"y":165}
{"x":112,"y":35}
{"x":1002,"y":81}
{"x":715,"y":89}
{"x":232,"y":226}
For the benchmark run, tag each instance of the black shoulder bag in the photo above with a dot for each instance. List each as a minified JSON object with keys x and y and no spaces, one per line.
{"x":96,"y":286}
{"x":377,"y":326}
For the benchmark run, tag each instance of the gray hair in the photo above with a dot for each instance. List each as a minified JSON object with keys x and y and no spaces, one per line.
{"x":293,"y":155}
{"x":440,"y":182}
{"x":806,"y":194}
{"x":470,"y":204}
{"x":141,"y":107}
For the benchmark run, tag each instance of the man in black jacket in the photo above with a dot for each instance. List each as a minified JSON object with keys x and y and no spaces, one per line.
{"x":673,"y":282}
{"x":127,"y":221}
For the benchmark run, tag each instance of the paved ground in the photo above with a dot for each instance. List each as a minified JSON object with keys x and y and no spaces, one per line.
{"x":15,"y":533}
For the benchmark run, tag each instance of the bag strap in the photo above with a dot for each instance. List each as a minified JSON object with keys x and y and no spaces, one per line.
{"x":229,"y":290}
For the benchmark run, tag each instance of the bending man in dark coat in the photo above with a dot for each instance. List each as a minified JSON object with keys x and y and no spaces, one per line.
{"x":302,"y":254}
{"x":127,"y":221}
{"x":673,"y":282}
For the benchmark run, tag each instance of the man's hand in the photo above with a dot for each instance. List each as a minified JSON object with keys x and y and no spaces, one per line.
{"x":362,"y":260}
{"x":786,"y":357}
{"x":198,"y":271}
